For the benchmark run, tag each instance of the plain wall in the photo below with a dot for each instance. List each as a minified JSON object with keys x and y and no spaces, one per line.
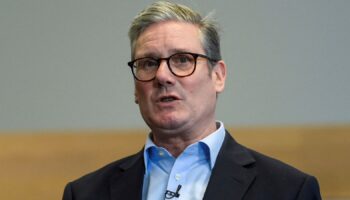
{"x":63,"y":63}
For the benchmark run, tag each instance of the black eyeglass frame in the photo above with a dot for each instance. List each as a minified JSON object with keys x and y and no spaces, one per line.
{"x":195,"y":56}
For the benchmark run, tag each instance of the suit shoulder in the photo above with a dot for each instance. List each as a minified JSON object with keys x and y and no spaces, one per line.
{"x":268,"y":164}
{"x":103,"y":173}
{"x":96,"y":185}
{"x":279,"y":178}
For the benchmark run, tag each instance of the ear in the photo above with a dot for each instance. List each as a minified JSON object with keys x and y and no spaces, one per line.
{"x":219,"y":76}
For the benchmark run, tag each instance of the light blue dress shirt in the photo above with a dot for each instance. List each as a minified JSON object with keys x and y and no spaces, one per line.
{"x":191,"y":169}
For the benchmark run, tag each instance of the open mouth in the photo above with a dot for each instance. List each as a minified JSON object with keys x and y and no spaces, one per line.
{"x":168,"y":99}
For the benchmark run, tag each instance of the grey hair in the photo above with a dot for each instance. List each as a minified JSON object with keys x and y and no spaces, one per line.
{"x":162,"y":11}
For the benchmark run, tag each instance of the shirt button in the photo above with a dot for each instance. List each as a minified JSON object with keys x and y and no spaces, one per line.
{"x":161,"y":153}
{"x":177,"y":177}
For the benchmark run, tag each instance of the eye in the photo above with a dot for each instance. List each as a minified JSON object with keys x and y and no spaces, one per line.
{"x":182,"y":59}
{"x":146,"y":64}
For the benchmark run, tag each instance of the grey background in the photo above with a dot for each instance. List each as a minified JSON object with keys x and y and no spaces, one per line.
{"x":63,"y":62}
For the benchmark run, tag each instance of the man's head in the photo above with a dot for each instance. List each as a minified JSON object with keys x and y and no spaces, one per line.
{"x":166,"y":11}
{"x":168,"y":42}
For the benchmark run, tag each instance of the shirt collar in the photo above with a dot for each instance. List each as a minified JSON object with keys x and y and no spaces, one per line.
{"x":212,"y":144}
{"x":214,"y":141}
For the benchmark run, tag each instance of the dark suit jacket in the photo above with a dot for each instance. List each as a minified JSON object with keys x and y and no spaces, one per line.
{"x":239,"y":173}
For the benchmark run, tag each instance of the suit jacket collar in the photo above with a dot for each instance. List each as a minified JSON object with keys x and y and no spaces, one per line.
{"x":232,"y":174}
{"x":127,"y":183}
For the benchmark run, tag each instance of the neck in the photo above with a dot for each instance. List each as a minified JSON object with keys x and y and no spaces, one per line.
{"x":177,"y":142}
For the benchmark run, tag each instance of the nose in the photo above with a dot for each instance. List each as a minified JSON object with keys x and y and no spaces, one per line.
{"x":164,"y":75}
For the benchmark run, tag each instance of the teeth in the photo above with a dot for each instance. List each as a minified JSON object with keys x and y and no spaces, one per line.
{"x":167,"y":99}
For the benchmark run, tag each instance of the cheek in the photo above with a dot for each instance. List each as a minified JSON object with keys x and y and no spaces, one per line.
{"x":198,"y":91}
{"x":143,"y":93}
{"x":140,"y":91}
{"x":204,"y":91}
{"x":137,"y":92}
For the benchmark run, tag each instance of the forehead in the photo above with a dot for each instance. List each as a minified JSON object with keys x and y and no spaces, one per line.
{"x":169,"y":37}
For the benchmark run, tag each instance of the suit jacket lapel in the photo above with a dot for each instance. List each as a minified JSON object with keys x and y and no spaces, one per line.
{"x":127,"y":182}
{"x":231,"y":176}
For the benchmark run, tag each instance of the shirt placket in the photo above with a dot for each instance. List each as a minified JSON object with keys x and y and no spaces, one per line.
{"x":178,"y":173}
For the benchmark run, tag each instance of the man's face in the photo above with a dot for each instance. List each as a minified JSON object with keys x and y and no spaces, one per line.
{"x":171,"y":104}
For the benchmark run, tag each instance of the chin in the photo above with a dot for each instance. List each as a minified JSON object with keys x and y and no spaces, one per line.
{"x":168,"y":123}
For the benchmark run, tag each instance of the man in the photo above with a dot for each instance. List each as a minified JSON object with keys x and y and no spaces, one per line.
{"x":179,"y":73}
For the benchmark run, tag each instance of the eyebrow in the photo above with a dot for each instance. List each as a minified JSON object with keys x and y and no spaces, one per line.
{"x":156,"y":55}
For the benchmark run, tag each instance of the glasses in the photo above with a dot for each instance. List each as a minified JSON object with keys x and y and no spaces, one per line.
{"x":180,"y":64}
